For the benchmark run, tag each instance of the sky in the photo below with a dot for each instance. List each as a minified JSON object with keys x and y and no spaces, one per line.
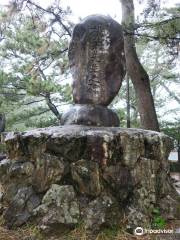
{"x":83,"y":8}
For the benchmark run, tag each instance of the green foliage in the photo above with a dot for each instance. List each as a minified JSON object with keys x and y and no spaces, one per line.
{"x":111,"y":232}
{"x":33,"y":61}
{"x":158,"y":221}
{"x":2,"y":147}
{"x":172,"y":129}
{"x":122,"y":116}
{"x":175,"y":168}
{"x":158,"y":23}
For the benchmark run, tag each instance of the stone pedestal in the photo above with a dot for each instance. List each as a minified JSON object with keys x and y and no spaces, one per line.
{"x":61,"y":176}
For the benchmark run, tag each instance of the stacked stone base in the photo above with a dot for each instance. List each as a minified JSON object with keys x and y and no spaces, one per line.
{"x":101,"y":177}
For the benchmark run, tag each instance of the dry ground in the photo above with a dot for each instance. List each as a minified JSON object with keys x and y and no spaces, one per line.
{"x":32,"y":233}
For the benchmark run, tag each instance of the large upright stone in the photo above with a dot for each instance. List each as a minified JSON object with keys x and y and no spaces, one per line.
{"x":96,"y":56}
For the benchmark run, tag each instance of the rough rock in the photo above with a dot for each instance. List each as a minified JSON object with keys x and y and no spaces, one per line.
{"x":120,"y":181}
{"x":168,"y":208}
{"x":136,"y":218}
{"x":18,"y":169}
{"x":1,"y":196}
{"x":102,"y":212}
{"x":4,"y":166}
{"x":96,"y":56}
{"x":1,"y":199}
{"x":86,"y":175}
{"x":49,"y":169}
{"x":21,"y":207}
{"x":74,"y":169}
{"x":90,"y":115}
{"x":59,"y":206}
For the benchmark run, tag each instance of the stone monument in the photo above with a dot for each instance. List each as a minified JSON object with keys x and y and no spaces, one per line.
{"x":96,"y":57}
{"x":101,"y":177}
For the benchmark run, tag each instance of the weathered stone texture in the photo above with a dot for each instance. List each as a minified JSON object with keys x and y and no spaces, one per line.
{"x":90,"y":115}
{"x":86,"y":175}
{"x":21,"y":207}
{"x":61,"y":176}
{"x":103,"y":211}
{"x":97,"y":62}
{"x":59,"y":206}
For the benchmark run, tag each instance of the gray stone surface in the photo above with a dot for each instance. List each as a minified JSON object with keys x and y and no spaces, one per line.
{"x":4,"y":166}
{"x":101,"y":212}
{"x":20,"y":169}
{"x":86,"y":175}
{"x":59,"y":206}
{"x":49,"y":169}
{"x":96,"y":56}
{"x":75,"y":169}
{"x":120,"y":181}
{"x":21,"y":207}
{"x":97,"y":63}
{"x":90,"y":115}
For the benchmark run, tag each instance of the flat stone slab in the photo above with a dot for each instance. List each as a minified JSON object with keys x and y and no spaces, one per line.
{"x":80,"y":130}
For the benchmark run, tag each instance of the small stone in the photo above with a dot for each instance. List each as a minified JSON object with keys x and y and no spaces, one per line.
{"x":21,"y":207}
{"x":59,"y":206}
{"x":132,"y":148}
{"x":97,"y":214}
{"x":4,"y":166}
{"x":49,"y":169}
{"x":19,"y":170}
{"x":86,"y":174}
{"x":120,"y":180}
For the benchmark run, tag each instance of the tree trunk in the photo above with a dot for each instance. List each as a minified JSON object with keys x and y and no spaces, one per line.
{"x":178,"y":152}
{"x":2,"y":122}
{"x":128,"y":102}
{"x":52,"y":107}
{"x":136,"y":71}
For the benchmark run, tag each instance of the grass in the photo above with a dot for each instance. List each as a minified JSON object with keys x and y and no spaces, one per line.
{"x":27,"y":232}
{"x":31,"y":232}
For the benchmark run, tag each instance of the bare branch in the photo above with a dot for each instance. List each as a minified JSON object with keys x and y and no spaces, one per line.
{"x":52,"y":107}
{"x":170,"y":92}
{"x":35,"y":101}
{"x":150,"y":36}
{"x":57,"y":18}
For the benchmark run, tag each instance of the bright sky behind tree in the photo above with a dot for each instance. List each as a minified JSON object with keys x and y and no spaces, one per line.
{"x":83,"y":8}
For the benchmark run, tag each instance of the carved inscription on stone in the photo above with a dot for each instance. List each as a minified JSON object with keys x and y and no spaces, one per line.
{"x":96,"y":60}
{"x":96,"y":75}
